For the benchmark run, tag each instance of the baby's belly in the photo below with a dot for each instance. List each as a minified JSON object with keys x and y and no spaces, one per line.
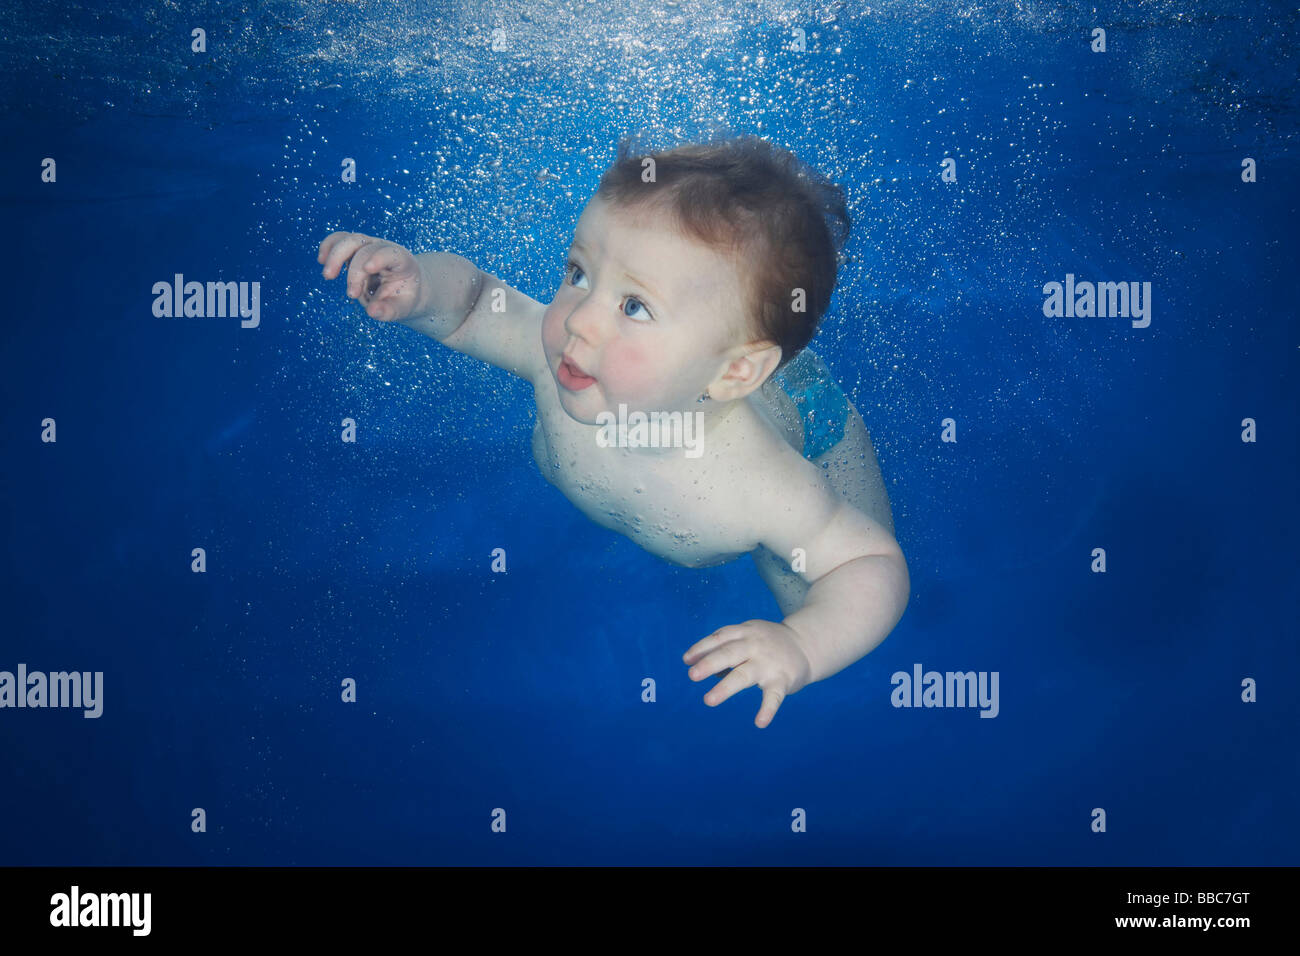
{"x":608,"y":495}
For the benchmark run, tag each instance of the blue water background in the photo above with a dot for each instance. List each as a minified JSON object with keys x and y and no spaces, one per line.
{"x":522,"y":691}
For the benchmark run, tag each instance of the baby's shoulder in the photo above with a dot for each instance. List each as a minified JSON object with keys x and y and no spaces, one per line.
{"x":760,"y":460}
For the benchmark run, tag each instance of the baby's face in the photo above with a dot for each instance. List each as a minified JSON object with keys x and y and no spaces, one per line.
{"x":644,"y":316}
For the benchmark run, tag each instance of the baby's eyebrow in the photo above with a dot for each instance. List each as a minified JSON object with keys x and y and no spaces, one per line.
{"x":577,"y":246}
{"x":645,"y":285}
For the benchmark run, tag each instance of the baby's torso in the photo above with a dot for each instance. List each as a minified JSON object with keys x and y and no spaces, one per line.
{"x":688,"y":510}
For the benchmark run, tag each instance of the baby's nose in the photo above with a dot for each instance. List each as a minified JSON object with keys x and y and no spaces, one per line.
{"x":584,"y":322}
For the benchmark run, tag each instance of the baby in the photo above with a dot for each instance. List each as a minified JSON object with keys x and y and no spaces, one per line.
{"x":695,"y":279}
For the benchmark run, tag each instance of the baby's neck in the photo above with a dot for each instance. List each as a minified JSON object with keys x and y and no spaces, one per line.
{"x":709,"y":424}
{"x":720,"y":417}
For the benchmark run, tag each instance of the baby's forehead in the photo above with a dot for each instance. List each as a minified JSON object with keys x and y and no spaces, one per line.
{"x":648,"y":241}
{"x":692,"y":272}
{"x":627,"y":231}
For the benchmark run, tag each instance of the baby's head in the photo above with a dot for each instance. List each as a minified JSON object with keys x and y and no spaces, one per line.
{"x":706,"y":279}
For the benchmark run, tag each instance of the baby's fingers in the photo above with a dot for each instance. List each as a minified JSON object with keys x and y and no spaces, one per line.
{"x":384,"y":300}
{"x":365,"y":267}
{"x":342,"y":247}
{"x":733,"y":683}
{"x":727,"y":656}
{"x":771,"y":702}
{"x":328,"y":243}
{"x":364,"y":272}
{"x":719,"y":637}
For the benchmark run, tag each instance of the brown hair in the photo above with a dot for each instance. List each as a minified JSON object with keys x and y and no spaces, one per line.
{"x":743,"y":194}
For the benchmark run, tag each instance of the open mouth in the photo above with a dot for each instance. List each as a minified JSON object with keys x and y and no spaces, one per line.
{"x":572,"y":377}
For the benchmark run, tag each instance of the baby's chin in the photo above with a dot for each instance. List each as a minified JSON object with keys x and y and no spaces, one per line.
{"x":584,"y":406}
{"x":601,"y":411}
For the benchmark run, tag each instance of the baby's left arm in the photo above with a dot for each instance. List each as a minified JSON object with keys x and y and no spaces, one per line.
{"x":859,"y":589}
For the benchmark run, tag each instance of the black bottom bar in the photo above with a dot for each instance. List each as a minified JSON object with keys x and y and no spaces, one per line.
{"x":339,"y":904}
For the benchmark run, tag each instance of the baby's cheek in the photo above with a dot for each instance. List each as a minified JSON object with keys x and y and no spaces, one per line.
{"x":634,"y":374}
{"x":553,"y":334}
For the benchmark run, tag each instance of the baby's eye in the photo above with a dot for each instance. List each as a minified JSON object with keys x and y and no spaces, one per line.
{"x":572,"y":269}
{"x":573,"y":274}
{"x":644,"y":315}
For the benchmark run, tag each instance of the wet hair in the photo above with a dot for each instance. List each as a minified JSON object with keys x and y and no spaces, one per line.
{"x":784,"y":223}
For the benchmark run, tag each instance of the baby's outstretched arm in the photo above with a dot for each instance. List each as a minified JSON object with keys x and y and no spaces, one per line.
{"x":441,"y":294}
{"x":859,"y":589}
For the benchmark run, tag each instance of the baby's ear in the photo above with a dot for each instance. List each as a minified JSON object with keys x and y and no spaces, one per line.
{"x":748,"y":371}
{"x":765,"y":356}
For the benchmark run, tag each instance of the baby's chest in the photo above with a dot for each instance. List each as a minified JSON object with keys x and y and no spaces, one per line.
{"x":669,"y":507}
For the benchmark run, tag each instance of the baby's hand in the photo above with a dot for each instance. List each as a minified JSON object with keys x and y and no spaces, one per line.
{"x":758,"y":652}
{"x":382,"y":275}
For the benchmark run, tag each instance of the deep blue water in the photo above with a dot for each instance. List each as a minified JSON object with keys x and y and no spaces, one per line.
{"x":522,"y":691}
